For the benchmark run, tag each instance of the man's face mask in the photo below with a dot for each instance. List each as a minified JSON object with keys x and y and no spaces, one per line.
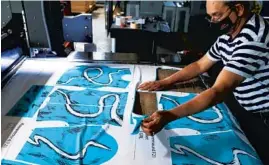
{"x":224,"y":26}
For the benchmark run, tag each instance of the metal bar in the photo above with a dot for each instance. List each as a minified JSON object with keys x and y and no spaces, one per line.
{"x":25,"y":28}
{"x":7,"y":75}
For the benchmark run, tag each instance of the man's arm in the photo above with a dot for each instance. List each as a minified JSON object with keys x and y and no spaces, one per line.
{"x":185,"y":74}
{"x":190,"y":71}
{"x":225,"y":83}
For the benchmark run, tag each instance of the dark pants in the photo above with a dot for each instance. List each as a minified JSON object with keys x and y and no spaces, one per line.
{"x":253,"y":125}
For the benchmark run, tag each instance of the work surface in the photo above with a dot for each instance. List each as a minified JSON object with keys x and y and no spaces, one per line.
{"x":58,"y":112}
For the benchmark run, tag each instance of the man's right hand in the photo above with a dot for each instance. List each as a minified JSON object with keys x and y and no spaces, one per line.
{"x":152,"y":85}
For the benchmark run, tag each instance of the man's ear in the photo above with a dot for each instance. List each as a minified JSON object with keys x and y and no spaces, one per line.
{"x":239,"y":9}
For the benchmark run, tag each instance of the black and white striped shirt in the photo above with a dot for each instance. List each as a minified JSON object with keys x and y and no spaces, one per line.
{"x":247,"y":55}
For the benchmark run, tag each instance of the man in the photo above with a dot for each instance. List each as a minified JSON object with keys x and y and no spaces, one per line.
{"x":243,"y":48}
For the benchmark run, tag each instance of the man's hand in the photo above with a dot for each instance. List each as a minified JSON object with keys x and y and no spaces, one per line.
{"x":155,"y":122}
{"x":152,"y":85}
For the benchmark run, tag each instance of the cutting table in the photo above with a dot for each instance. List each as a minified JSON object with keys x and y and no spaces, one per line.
{"x":49,"y":103}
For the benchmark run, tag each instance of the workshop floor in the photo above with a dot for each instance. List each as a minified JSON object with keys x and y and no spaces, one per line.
{"x":100,"y":39}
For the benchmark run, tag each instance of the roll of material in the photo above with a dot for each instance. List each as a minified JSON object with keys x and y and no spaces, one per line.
{"x":120,"y":20}
{"x":133,"y":25}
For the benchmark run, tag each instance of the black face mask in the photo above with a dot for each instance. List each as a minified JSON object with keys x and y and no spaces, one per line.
{"x":223,"y":26}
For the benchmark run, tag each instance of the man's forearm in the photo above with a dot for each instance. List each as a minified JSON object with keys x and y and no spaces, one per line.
{"x":201,"y":102}
{"x":225,"y":83}
{"x":185,"y":74}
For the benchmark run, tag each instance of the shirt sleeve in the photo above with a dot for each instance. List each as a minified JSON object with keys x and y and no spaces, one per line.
{"x":213,"y":53}
{"x":248,"y":58}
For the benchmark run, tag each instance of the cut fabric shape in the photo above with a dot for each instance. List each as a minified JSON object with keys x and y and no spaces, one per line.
{"x":30,"y":101}
{"x":213,"y":119}
{"x":56,"y":146}
{"x":137,"y":121}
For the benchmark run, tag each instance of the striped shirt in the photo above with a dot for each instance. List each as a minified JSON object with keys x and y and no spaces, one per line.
{"x":247,"y":55}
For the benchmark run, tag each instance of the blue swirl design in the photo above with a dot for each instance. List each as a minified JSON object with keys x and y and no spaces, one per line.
{"x":85,"y":97}
{"x":213,"y":119}
{"x":85,"y":107}
{"x":69,"y":145}
{"x":95,"y":76}
{"x":212,"y":149}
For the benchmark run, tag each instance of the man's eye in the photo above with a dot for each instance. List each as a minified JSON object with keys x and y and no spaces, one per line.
{"x":218,"y":15}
